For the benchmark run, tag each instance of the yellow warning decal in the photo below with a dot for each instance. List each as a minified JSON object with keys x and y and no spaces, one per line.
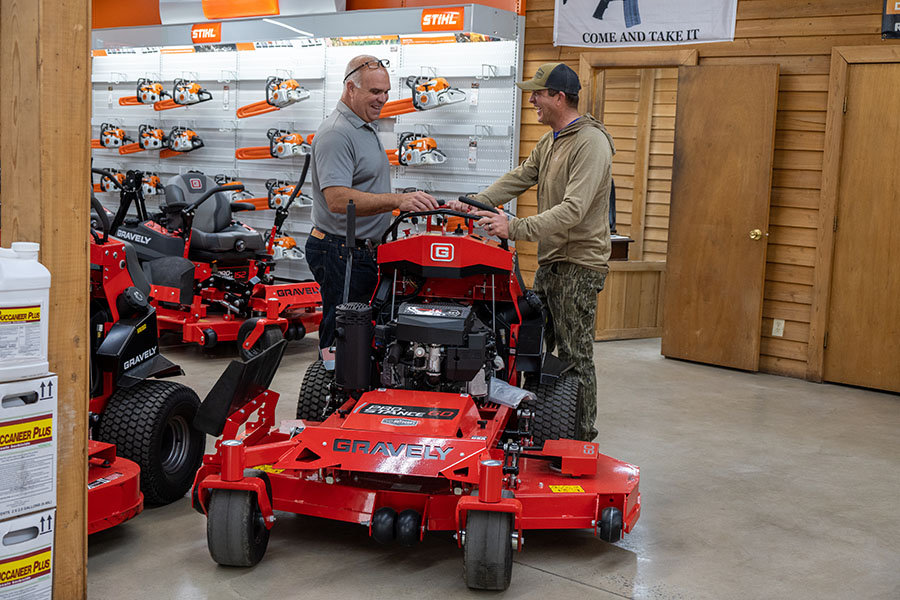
{"x":23,"y":568}
{"x":142,"y":328}
{"x":268,"y":469}
{"x":566,"y":489}
{"x":20,"y":314}
{"x":25,"y":432}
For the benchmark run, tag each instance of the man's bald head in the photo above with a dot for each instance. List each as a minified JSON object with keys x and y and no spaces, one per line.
{"x":366,"y":87}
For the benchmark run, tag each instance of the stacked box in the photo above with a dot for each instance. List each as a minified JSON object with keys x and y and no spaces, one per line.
{"x":26,"y":556}
{"x":28,"y":445}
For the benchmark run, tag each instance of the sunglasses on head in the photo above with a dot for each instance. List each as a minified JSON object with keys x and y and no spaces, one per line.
{"x":372,"y":64}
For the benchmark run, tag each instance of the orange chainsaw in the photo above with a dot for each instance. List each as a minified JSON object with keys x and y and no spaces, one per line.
{"x":107,"y":185}
{"x":282,"y":144}
{"x":280,"y":193}
{"x":416,"y":149}
{"x":148,"y":92}
{"x":151,"y":184}
{"x":280,"y":93}
{"x":243,"y":196}
{"x":427,"y":93}
{"x":181,"y":140}
{"x":111,"y":137}
{"x":150,"y":137}
{"x":184,"y":93}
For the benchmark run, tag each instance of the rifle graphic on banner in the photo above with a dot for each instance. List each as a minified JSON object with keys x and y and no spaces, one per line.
{"x":632,"y":13}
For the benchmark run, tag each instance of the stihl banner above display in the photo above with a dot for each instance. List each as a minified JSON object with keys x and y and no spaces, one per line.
{"x":619,"y":23}
{"x":443,"y":19}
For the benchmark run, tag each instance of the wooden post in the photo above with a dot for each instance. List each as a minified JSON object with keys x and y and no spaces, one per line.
{"x":45,"y":158}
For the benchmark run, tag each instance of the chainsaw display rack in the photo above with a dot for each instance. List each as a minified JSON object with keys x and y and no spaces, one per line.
{"x":479,"y":135}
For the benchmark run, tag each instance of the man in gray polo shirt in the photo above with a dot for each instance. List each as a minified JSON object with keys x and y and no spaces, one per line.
{"x":349,"y":163}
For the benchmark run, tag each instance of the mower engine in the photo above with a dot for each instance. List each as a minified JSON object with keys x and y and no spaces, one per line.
{"x":439,"y":347}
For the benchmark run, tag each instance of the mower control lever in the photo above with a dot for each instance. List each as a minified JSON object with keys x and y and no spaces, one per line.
{"x":477,"y":204}
{"x":231,"y":187}
{"x":108,"y":175}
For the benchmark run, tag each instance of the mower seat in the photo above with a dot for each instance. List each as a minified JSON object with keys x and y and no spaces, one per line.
{"x":215,"y":236}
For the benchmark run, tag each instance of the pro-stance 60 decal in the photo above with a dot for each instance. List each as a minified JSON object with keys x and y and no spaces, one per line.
{"x":410,"y":412}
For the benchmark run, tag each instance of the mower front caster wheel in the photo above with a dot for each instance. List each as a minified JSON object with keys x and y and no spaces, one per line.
{"x":487,"y":553}
{"x":236,"y":532}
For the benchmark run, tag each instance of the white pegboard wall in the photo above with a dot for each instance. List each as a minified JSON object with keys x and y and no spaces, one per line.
{"x":237,"y":78}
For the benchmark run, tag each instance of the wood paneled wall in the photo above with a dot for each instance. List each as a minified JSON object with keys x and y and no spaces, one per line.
{"x":798,"y":35}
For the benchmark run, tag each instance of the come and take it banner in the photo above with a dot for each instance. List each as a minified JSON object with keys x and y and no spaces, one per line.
{"x":619,"y":23}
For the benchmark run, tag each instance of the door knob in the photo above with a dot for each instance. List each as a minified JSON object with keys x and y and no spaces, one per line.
{"x":756,"y":234}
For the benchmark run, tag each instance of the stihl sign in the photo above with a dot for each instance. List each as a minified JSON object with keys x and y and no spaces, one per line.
{"x":206,"y":33}
{"x":443,"y":19}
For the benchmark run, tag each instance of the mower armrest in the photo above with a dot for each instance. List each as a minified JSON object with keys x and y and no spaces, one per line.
{"x":241,"y":206}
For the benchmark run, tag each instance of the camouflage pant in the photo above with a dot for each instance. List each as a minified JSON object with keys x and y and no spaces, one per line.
{"x":570,"y":292}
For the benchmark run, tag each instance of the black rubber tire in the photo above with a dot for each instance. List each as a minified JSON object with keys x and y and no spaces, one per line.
{"x":611,"y":525}
{"x":271,"y":335}
{"x":152,"y":424}
{"x":487,"y":553}
{"x":236,"y":533}
{"x":556,"y":411}
{"x":313,"y":392}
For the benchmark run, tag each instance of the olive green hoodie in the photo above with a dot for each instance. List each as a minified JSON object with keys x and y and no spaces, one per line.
{"x":573,"y":175}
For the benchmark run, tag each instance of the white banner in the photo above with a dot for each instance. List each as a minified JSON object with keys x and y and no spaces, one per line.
{"x":619,"y":23}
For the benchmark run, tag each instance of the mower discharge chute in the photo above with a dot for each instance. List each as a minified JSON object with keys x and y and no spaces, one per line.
{"x":443,"y":412}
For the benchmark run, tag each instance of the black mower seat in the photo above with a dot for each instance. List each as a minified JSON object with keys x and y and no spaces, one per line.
{"x":214,"y":231}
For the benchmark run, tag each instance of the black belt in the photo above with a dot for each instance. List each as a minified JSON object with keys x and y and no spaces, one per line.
{"x":362,"y":244}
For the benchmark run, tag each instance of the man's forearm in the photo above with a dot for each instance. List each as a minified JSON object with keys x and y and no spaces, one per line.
{"x":367,"y":204}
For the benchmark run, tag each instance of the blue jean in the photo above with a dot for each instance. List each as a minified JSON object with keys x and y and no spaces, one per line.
{"x":327,"y":259}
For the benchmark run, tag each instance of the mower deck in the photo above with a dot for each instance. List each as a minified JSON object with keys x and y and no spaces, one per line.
{"x":114,"y":487}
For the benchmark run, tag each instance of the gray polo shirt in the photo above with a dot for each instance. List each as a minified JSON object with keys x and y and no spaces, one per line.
{"x":346,"y":152}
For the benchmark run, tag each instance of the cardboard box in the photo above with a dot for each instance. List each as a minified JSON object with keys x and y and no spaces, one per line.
{"x":27,"y":445}
{"x":26,"y":556}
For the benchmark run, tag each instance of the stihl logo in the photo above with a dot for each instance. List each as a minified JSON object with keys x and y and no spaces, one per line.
{"x":196,"y":184}
{"x":443,"y":19}
{"x":442,"y":252}
{"x":207,"y":33}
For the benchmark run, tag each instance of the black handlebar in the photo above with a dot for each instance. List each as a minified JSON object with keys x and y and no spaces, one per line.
{"x":477,"y":204}
{"x":104,"y":220}
{"x":108,"y":174}
{"x":231,"y":187}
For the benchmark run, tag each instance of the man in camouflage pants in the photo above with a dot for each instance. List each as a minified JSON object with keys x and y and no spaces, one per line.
{"x":572,"y":167}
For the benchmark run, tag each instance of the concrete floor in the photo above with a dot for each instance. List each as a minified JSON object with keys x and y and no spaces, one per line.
{"x":753,"y":486}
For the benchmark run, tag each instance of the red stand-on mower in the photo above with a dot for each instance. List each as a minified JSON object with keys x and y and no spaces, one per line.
{"x":143,"y":443}
{"x":210,"y":275}
{"x":442,"y":412}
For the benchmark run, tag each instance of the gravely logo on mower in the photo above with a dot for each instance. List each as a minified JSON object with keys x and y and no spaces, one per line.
{"x":421,"y":451}
{"x":133,"y":237}
{"x":307,"y":291}
{"x":414,"y":412}
{"x":132,"y":362}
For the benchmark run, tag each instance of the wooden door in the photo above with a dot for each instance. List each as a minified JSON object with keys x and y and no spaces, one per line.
{"x":862,"y":344}
{"x":721,"y":180}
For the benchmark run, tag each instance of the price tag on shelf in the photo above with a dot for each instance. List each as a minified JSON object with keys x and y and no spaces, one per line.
{"x":473,"y":150}
{"x":473,"y":95}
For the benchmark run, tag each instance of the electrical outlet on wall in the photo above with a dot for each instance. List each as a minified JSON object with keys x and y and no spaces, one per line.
{"x":778,"y":327}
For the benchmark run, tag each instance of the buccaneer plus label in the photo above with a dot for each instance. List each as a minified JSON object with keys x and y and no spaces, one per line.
{"x":26,"y":467}
{"x":20,"y":332}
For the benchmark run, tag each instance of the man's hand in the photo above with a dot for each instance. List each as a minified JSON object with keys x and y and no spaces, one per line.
{"x":417,"y":202}
{"x":493,"y":223}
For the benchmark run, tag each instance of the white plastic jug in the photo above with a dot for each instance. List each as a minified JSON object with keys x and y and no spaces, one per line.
{"x":24,"y":321}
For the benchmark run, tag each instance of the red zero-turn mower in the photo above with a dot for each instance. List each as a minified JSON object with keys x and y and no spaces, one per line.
{"x":210,"y":275}
{"x":142,"y":436}
{"x":422,"y":425}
